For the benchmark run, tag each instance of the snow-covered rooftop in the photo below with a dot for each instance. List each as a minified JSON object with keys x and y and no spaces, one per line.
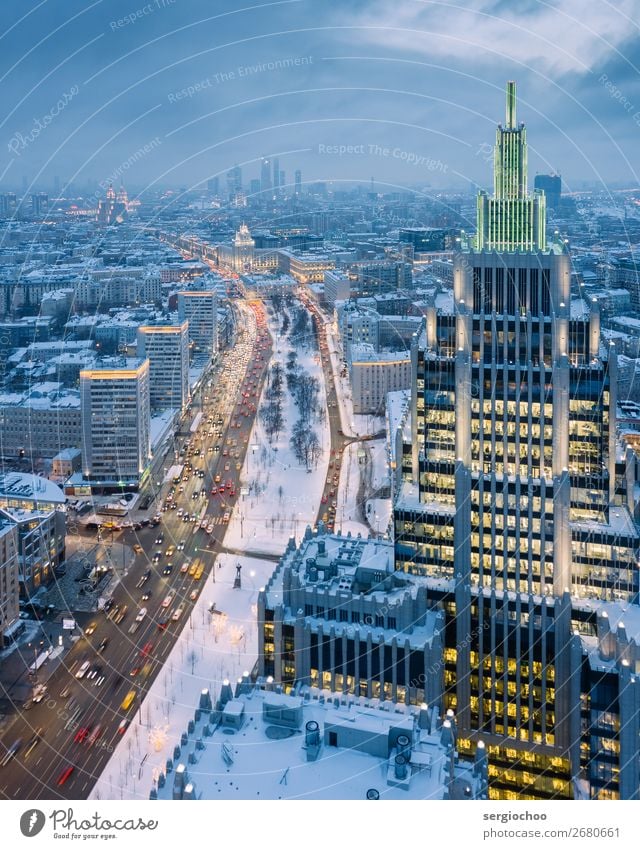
{"x":315,"y":745}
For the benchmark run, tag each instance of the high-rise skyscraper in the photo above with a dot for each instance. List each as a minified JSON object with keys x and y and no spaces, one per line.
{"x":200,"y":309}
{"x":167,"y":348}
{"x":513,"y":525}
{"x":276,"y":173}
{"x":298,"y":182}
{"x":551,"y":185}
{"x":116,"y":434}
{"x":234,"y":181}
{"x":510,"y":488}
{"x":265,"y":176}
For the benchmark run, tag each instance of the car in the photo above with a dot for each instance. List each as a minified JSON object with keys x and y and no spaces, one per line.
{"x":99,"y":680}
{"x":137,"y":548}
{"x":65,"y":692}
{"x":11,"y":751}
{"x":91,"y":628}
{"x":128,"y":700}
{"x":163,"y":622}
{"x":214,"y":491}
{"x":65,"y":775}
{"x":121,"y":614}
{"x":94,"y":672}
{"x":94,"y":736}
{"x":103,"y":644}
{"x":225,"y":518}
{"x":159,"y":539}
{"x":141,"y":614}
{"x":177,"y":613}
{"x":193,"y":595}
{"x":147,"y":649}
{"x":123,"y":726}
{"x":182,"y":544}
{"x":184,"y":568}
{"x":168,"y":599}
{"x":107,"y":606}
{"x":134,"y":671}
{"x":39,"y":734}
{"x":168,"y":569}
{"x":157,"y":556}
{"x":81,"y":735}
{"x":82,"y":671}
{"x":146,"y":595}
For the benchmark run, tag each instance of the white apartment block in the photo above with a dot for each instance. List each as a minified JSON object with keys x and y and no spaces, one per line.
{"x":115,"y":401}
{"x":375,"y":373}
{"x":167,"y":349}
{"x":200,"y":309}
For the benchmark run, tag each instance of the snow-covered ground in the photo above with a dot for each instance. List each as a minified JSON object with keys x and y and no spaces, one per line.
{"x":347,"y":513}
{"x":212,"y":647}
{"x":379,"y":463}
{"x":224,"y":644}
{"x":289,"y":496}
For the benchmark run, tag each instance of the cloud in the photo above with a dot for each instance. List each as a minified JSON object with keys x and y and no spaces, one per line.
{"x":555,"y":37}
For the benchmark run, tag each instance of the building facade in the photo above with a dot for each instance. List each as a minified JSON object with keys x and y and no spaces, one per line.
{"x":9,"y":586}
{"x":200,"y":309}
{"x":167,"y":349}
{"x":116,"y":411}
{"x":373,"y":374}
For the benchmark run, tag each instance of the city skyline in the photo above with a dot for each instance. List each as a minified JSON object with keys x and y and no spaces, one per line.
{"x":349,"y":96}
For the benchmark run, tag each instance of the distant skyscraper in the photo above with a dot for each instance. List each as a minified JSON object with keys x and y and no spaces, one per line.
{"x":39,"y":204}
{"x":298,"y":182}
{"x":213,"y":185}
{"x":234,"y":181}
{"x":265,"y":176}
{"x":8,"y":204}
{"x":243,"y":249}
{"x":254,"y":187}
{"x":276,"y":173}
{"x":282,"y":180}
{"x":551,"y":185}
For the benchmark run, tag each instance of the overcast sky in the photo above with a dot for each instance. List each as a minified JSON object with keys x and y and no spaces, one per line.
{"x":406,"y":91}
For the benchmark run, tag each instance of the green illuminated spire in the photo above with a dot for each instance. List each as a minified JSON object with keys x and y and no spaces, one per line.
{"x":511,"y":220}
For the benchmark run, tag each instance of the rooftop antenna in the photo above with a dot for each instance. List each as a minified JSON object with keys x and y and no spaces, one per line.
{"x":511,"y":105}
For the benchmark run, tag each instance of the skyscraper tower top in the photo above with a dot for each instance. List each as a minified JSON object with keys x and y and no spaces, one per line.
{"x":513,"y":219}
{"x":511,"y":105}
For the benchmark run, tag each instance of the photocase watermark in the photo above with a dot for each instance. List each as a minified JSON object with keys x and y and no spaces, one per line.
{"x":32,"y":822}
{"x":616,"y":93}
{"x":407,"y":156}
{"x":19,"y":142}
{"x":132,"y":17}
{"x":237,"y":73}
